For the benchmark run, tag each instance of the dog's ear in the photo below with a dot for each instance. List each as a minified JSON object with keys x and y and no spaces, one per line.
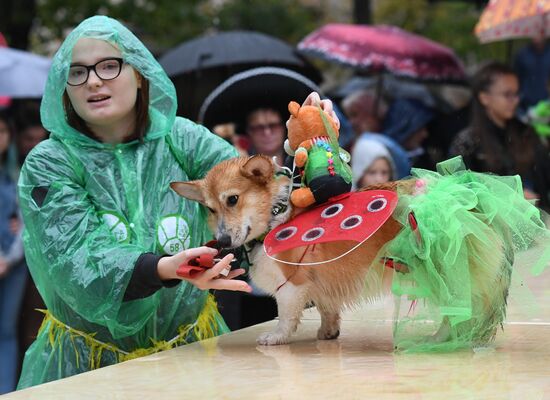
{"x":259,"y":168}
{"x":190,"y":190}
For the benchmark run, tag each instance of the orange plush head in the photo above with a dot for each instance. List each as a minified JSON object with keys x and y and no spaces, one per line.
{"x":305,"y":123}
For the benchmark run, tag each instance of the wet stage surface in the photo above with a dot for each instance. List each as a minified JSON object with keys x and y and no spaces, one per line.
{"x":360,"y":364}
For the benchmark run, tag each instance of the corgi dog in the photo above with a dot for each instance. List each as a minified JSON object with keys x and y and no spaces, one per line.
{"x":246,"y":199}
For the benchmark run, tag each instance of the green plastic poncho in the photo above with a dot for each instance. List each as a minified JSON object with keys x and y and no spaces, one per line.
{"x":105,"y":206}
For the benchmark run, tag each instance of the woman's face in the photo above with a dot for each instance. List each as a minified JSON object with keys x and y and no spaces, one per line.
{"x":107,"y":106}
{"x":501,"y":99}
{"x":4,"y":136}
{"x":266,"y":131}
{"x":378,"y":172}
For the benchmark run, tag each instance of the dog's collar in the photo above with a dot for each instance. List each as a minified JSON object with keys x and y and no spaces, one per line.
{"x":248,"y":247}
{"x":258,"y":241}
{"x":278,"y":208}
{"x":285,"y":172}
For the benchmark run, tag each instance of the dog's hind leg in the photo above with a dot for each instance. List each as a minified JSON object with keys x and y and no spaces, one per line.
{"x":291,"y":300}
{"x":330,"y":324}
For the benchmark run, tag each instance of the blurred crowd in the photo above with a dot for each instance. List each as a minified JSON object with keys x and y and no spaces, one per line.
{"x":499,"y":122}
{"x":20,"y":131}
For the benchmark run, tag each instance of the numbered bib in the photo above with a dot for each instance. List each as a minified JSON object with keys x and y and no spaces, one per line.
{"x":173,"y":234}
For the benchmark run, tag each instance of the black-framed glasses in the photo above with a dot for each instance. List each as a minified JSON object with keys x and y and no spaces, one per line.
{"x":105,"y":70}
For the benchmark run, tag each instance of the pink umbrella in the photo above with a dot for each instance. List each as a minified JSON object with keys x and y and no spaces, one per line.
{"x":384,"y":48}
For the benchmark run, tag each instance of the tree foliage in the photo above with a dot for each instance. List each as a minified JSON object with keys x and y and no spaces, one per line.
{"x":287,"y":19}
{"x":158,"y":22}
{"x":162,"y":24}
{"x":450,"y":23}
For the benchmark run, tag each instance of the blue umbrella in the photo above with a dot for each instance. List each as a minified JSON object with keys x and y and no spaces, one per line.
{"x":22,"y":74}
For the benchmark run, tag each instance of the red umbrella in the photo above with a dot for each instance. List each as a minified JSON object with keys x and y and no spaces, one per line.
{"x":381,"y":48}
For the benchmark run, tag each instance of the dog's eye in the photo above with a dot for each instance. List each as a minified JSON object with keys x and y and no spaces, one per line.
{"x":232,"y":200}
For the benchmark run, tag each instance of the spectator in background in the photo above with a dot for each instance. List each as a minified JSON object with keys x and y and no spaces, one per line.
{"x":496,"y":141}
{"x":365,"y":111}
{"x":256,"y":101}
{"x":532,"y":64}
{"x":371,"y":163}
{"x":367,"y":120}
{"x":30,"y":133}
{"x":13,"y":272}
{"x":406,"y":123}
{"x":267,"y":132}
{"x":228,"y":133}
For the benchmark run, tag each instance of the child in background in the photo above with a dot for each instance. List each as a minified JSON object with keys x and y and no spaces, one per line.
{"x":371,"y":163}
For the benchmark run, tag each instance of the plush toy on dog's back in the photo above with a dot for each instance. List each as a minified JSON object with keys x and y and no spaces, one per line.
{"x":313,"y":140}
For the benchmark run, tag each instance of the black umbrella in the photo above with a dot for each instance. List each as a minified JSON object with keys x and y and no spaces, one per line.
{"x":258,"y":87}
{"x":201,"y":64}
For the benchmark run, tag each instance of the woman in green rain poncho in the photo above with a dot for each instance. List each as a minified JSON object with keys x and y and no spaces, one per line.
{"x":98,"y":210}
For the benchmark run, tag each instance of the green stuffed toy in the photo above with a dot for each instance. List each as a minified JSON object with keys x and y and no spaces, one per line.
{"x":313,"y":140}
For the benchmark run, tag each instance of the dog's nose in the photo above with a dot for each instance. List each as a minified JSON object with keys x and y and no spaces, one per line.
{"x":224,"y":241}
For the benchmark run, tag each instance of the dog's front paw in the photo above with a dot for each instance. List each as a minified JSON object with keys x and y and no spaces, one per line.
{"x":328,"y":333}
{"x":272,"y":338}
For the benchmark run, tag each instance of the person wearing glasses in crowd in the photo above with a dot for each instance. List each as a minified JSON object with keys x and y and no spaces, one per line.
{"x":267,"y":133}
{"x":496,"y":141}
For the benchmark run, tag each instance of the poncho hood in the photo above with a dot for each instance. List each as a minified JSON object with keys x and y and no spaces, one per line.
{"x":162,"y":94}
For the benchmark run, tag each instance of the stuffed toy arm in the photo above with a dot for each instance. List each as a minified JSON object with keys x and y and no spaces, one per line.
{"x":301,"y":157}
{"x":302,"y":153}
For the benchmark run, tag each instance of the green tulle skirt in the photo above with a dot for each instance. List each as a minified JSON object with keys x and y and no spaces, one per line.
{"x":461,"y":258}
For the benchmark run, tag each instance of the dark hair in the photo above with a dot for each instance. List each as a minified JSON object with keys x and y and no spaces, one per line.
{"x":497,"y":152}
{"x":26,"y":114}
{"x":142,"y":113}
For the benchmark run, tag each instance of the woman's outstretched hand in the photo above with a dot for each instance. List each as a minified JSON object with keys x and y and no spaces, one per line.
{"x":211,"y":278}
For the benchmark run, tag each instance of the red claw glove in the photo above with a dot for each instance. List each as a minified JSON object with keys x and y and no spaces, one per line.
{"x":196,"y":266}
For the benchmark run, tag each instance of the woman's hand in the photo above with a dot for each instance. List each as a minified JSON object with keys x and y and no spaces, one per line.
{"x":210,"y":278}
{"x":314,"y":99}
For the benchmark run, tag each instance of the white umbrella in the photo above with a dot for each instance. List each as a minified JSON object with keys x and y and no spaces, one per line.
{"x":22,"y":74}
